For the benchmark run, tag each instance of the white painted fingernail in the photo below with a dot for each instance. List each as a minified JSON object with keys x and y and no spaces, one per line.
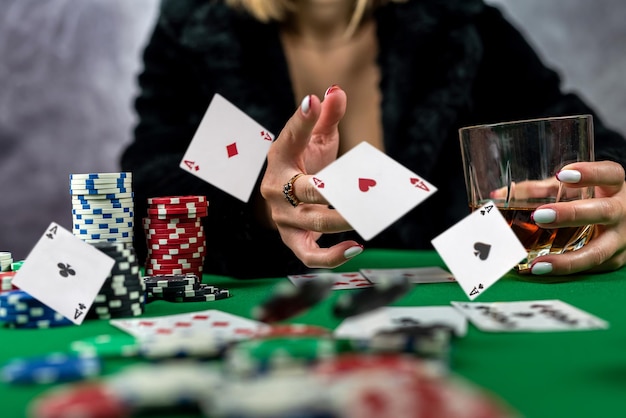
{"x":541,"y":268}
{"x":544,"y":216}
{"x":306,"y":104}
{"x":353,"y":251}
{"x":568,"y":176}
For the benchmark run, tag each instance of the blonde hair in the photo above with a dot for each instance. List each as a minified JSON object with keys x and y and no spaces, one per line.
{"x":278,"y":10}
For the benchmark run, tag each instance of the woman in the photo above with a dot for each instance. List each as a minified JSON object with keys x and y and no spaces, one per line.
{"x":413,"y":73}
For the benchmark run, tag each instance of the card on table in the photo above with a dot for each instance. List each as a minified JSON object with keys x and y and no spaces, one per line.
{"x":415,"y":275}
{"x":533,"y":315}
{"x":370,"y":189}
{"x":223,"y":325}
{"x":64,"y":272}
{"x":342,"y":281}
{"x":479,"y":249}
{"x":228,"y":149}
{"x":366,"y":325}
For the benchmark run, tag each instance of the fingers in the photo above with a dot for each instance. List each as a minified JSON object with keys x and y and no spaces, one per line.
{"x":318,"y":218}
{"x":607,"y":176}
{"x":333,"y":109}
{"x":294,"y":138}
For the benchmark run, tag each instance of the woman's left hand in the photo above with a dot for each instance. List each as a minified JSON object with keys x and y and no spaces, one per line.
{"x":607,"y":210}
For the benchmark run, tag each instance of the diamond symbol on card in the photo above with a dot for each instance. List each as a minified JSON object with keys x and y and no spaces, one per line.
{"x":481,"y":250}
{"x":419,"y":184}
{"x":232,"y":150}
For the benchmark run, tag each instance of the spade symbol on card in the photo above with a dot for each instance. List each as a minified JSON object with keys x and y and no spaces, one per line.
{"x":419,"y":184}
{"x":486,"y":209}
{"x":66,"y":270}
{"x":318,"y":183}
{"x":366,"y":184}
{"x":52,"y":232}
{"x":481,"y":250}
{"x":476,"y":290}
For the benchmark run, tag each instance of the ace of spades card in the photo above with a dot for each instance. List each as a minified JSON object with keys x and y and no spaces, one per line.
{"x":479,"y":249}
{"x":64,"y":273}
{"x":370,"y":189}
{"x":228,"y":149}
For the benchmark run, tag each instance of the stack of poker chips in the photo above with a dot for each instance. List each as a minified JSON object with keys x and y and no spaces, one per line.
{"x":123,"y":292}
{"x":174,"y":235}
{"x":19,"y":309}
{"x":181,"y":288}
{"x":102,"y":207}
{"x":6,"y":259}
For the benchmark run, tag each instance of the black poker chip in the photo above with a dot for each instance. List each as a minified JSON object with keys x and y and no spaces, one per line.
{"x":368,"y":299}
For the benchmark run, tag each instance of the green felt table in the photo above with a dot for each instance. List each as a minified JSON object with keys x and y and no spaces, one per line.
{"x":556,"y":374}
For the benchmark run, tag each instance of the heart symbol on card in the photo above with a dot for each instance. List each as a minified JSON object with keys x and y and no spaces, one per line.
{"x":481,"y":250}
{"x":366,"y":184}
{"x":318,"y":183}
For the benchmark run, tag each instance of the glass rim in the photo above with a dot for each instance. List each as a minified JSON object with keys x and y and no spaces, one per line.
{"x":520,"y":121}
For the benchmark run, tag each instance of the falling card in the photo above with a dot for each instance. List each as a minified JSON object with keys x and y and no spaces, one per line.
{"x":414,"y":275}
{"x":64,"y":272}
{"x":221,"y":325}
{"x":228,"y":149}
{"x":341,"y":281}
{"x":534,"y":315}
{"x":370,"y":189}
{"x":366,"y":325}
{"x":479,"y":249}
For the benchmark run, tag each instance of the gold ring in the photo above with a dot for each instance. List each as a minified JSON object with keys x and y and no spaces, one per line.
{"x":288,"y":190}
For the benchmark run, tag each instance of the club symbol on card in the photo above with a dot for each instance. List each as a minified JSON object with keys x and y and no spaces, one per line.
{"x":66,"y":270}
{"x":318,"y":183}
{"x":52,"y":232}
{"x":231,"y":150}
{"x":419,"y":184}
{"x":486,"y":209}
{"x":481,"y":250}
{"x":79,"y":311}
{"x":366,"y":184}
{"x":266,"y":136}
{"x":192,"y":165}
{"x":476,"y":290}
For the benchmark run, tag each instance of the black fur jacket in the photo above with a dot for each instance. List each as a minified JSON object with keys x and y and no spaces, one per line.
{"x":444,"y":64}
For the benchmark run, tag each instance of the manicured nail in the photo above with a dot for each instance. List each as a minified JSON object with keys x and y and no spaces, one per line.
{"x":331,"y":89}
{"x":306,"y":104}
{"x":568,"y":176}
{"x":541,"y":268}
{"x":353,"y":251}
{"x":543,"y":216}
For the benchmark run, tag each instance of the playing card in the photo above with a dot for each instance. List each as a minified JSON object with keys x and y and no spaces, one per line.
{"x":479,"y":249}
{"x":366,"y":325}
{"x":64,"y":272}
{"x":370,"y":189}
{"x":534,"y":315}
{"x":228,"y":149}
{"x":415,"y":275}
{"x":342,"y":281}
{"x":222,"y":325}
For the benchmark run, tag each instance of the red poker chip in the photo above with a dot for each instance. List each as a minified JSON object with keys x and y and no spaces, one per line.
{"x":173,"y":200}
{"x":175,"y":242}
{"x":175,"y":259}
{"x":185,"y":245}
{"x":182,"y":266}
{"x":178,"y":262}
{"x":292,"y":330}
{"x":188,"y":252}
{"x":173,"y":231}
{"x":177,"y":211}
{"x":89,"y":400}
{"x":191,"y":206}
{"x":171,"y":221}
{"x":350,"y":362}
{"x":182,"y":235}
{"x":158,"y":272}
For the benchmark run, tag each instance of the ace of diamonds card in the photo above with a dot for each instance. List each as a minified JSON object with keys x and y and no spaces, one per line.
{"x":228,"y":149}
{"x":370,"y":189}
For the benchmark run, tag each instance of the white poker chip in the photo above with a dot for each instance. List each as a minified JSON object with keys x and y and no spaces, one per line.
{"x":93,"y":192}
{"x":109,"y":196}
{"x":90,"y":183}
{"x":101,"y":240}
{"x":93,"y":176}
{"x":93,"y":229}
{"x":98,"y":224}
{"x":5,"y":255}
{"x":97,"y":237}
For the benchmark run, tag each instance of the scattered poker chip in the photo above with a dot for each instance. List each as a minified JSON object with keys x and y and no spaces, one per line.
{"x":6,"y":280}
{"x":292,"y":330}
{"x":19,"y":309}
{"x":51,"y":368}
{"x":288,"y":300}
{"x":368,"y":299}
{"x":107,"y":346}
{"x":171,"y":280}
{"x":196,"y":345}
{"x":85,"y":400}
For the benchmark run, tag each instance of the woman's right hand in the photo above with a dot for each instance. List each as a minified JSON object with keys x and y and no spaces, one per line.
{"x":308,"y":142}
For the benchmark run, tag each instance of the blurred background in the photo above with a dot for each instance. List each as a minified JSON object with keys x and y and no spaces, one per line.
{"x":68,"y":78}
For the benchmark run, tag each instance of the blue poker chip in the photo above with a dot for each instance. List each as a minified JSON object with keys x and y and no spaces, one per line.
{"x":51,"y":368}
{"x":108,"y":217}
{"x":107,"y":196}
{"x":123,"y":223}
{"x":122,"y":231}
{"x":99,"y":183}
{"x":112,"y":205}
{"x":104,"y":211}
{"x":109,"y":190}
{"x":104,"y":235}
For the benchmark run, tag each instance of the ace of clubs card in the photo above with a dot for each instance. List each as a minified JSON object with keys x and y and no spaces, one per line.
{"x":64,"y":273}
{"x":479,"y":249}
{"x":370,"y":189}
{"x":228,"y":149}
